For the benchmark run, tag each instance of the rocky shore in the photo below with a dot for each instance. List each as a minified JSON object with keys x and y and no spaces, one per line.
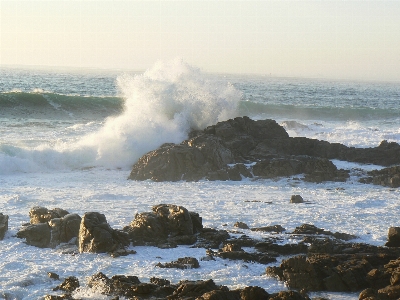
{"x":312,"y":259}
{"x":243,"y":148}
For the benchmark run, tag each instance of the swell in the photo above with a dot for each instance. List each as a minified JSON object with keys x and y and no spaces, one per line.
{"x":328,"y":113}
{"x":52,"y":105}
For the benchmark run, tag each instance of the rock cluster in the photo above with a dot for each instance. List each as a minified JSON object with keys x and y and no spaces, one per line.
{"x":241,"y":147}
{"x":130,"y":287}
{"x":167,"y":224}
{"x":320,"y":260}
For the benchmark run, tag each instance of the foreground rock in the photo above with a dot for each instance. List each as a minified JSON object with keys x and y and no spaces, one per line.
{"x":130,"y":287}
{"x":96,"y":235}
{"x":221,"y":151}
{"x":336,"y":267}
{"x":167,"y":224}
{"x":50,"y":228}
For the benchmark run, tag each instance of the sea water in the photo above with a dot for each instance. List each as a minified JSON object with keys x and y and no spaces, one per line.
{"x":68,"y":139}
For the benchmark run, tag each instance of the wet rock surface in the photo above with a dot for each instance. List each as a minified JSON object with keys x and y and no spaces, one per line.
{"x":96,"y":235}
{"x":130,"y":287}
{"x":224,"y":152}
{"x":3,"y":225}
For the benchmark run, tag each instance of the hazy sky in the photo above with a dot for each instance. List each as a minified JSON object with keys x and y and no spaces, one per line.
{"x":333,"y":39}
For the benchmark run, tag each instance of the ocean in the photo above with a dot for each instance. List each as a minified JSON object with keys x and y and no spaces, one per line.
{"x":69,"y":138}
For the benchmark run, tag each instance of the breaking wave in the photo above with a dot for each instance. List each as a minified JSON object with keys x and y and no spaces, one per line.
{"x":161,"y":105}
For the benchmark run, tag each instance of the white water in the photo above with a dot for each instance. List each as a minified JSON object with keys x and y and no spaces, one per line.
{"x":46,"y":162}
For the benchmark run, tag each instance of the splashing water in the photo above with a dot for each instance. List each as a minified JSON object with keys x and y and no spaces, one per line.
{"x":161,"y":105}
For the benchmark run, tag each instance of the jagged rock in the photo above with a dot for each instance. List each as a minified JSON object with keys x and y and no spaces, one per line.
{"x":50,"y":233}
{"x":222,"y":294}
{"x":96,"y":235}
{"x":352,"y":267}
{"x":70,"y":284}
{"x":193,"y":289}
{"x":38,"y":235}
{"x":211,"y":238}
{"x":296,"y":199}
{"x":389,"y":177}
{"x":64,"y":229}
{"x":253,"y":292}
{"x":220,"y":151}
{"x":167,"y":223}
{"x":393,"y":237}
{"x":309,"y":229}
{"x":3,"y":225}
{"x":288,"y":295}
{"x":181,"y":263}
{"x":39,"y":214}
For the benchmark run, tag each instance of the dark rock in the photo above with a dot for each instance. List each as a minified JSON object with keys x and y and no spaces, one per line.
{"x":160,"y":281}
{"x":211,"y":238}
{"x":272,"y":228}
{"x":296,"y":199}
{"x":38,"y":235}
{"x":64,"y":229}
{"x":288,"y":295}
{"x":53,"y":275}
{"x":393,"y":237}
{"x":389,"y":177}
{"x":210,"y":153}
{"x":254,"y":292}
{"x":181,"y":263}
{"x":3,"y":225}
{"x":96,"y":235}
{"x":193,"y":289}
{"x":235,"y":252}
{"x":70,"y":284}
{"x":167,"y":223}
{"x":309,"y":229}
{"x":287,"y":249}
{"x":241,"y":225}
{"x":222,"y":294}
{"x":39,"y":214}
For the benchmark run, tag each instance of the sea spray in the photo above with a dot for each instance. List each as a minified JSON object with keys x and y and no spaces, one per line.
{"x":161,"y":105}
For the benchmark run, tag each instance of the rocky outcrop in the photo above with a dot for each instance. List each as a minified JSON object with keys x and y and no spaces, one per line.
{"x":340,"y":268}
{"x":38,"y":235}
{"x":130,"y":287}
{"x":393,"y":237}
{"x":181,"y":263}
{"x":50,"y":228}
{"x":224,"y":152}
{"x":96,"y":235}
{"x":3,"y":225}
{"x":389,"y":177}
{"x":167,"y":223}
{"x":39,"y":214}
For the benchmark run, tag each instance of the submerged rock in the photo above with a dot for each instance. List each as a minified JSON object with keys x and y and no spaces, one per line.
{"x":181,"y":263}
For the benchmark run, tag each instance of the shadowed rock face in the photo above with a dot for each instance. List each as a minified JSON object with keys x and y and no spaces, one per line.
{"x":219,"y":152}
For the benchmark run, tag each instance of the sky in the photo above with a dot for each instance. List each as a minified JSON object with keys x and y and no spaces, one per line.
{"x":325,"y":39}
